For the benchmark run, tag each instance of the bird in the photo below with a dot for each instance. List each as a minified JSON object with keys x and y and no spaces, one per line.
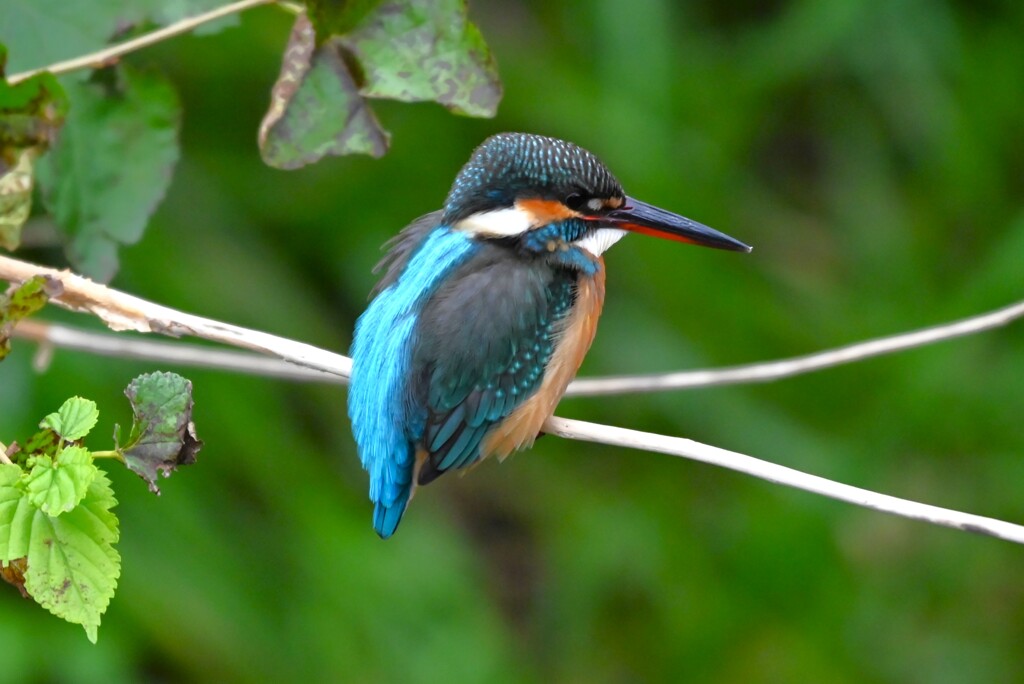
{"x":485,"y":310}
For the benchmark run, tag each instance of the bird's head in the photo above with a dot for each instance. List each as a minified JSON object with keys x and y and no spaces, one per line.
{"x":518,"y":185}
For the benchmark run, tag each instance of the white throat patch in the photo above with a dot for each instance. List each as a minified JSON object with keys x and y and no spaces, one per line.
{"x":598,"y":242}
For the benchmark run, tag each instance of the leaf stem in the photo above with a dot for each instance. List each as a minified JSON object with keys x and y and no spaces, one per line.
{"x":3,"y":455}
{"x":113,"y":453}
{"x":108,"y":55}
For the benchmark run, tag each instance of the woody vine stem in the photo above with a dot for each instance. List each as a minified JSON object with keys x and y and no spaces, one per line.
{"x":121,"y":311}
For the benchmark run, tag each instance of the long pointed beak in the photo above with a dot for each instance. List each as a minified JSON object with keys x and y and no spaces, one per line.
{"x":641,"y":217}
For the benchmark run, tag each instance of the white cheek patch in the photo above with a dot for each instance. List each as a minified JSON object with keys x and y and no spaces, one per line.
{"x":506,"y":222}
{"x":598,"y":242}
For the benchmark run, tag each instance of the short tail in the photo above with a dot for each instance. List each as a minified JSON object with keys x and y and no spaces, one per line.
{"x":386,"y":518}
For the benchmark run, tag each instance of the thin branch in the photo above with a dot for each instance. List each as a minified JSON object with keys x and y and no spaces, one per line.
{"x":123,"y":346}
{"x":57,"y":335}
{"x":106,"y":56}
{"x":685,"y":448}
{"x":121,"y":311}
{"x":784,"y":368}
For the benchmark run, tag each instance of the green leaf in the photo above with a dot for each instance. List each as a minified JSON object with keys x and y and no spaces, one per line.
{"x":112,"y":164}
{"x":73,"y":566}
{"x":315,"y":107}
{"x":58,"y":486}
{"x":417,"y":50}
{"x":41,"y":32}
{"x":28,"y":298}
{"x":14,"y":518}
{"x":74,"y":419}
{"x":31,"y":112}
{"x":163,"y":436}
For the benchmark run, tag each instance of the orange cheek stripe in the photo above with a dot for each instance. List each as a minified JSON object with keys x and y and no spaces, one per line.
{"x":545,"y":211}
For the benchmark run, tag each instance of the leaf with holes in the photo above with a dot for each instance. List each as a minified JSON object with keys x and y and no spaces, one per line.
{"x":163,"y":436}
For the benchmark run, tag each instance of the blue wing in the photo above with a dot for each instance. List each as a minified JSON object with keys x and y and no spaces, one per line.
{"x":483,"y":340}
{"x":385,"y":423}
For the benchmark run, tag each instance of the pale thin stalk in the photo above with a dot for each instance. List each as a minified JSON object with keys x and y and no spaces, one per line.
{"x":121,"y":311}
{"x":107,"y":55}
{"x":122,"y":346}
{"x":784,"y":368}
{"x":686,"y":448}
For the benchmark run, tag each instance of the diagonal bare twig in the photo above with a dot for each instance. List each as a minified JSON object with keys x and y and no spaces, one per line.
{"x":785,"y":368}
{"x":107,"y":55}
{"x":686,"y":448}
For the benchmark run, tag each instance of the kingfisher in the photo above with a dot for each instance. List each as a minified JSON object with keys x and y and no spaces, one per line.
{"x":486,"y":309}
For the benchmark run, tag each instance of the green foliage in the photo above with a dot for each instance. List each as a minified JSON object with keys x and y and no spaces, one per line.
{"x":118,"y":147}
{"x":74,"y":420}
{"x":163,"y":436}
{"x":57,"y":531}
{"x":315,"y":107}
{"x":426,"y":50}
{"x":406,"y":50}
{"x":56,"y":486}
{"x":42,"y":32}
{"x":31,"y":112}
{"x":112,"y":165}
{"x":25,"y":300}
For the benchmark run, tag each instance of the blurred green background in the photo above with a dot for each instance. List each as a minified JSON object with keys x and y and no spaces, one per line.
{"x":871,"y":151}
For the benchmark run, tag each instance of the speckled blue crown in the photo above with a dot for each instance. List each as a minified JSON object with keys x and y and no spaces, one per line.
{"x":511,"y":165}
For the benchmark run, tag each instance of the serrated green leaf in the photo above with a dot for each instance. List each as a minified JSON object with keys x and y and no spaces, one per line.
{"x":112,"y":164}
{"x":74,"y":419}
{"x":163,"y":435}
{"x":426,"y":50}
{"x":24,"y":301}
{"x":73,"y":566}
{"x":315,"y":107}
{"x":15,"y":514}
{"x":57,"y":486}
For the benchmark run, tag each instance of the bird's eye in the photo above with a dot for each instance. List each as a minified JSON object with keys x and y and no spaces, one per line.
{"x":575,"y":201}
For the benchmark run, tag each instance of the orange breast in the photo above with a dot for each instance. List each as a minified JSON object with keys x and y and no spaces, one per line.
{"x":520,"y":429}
